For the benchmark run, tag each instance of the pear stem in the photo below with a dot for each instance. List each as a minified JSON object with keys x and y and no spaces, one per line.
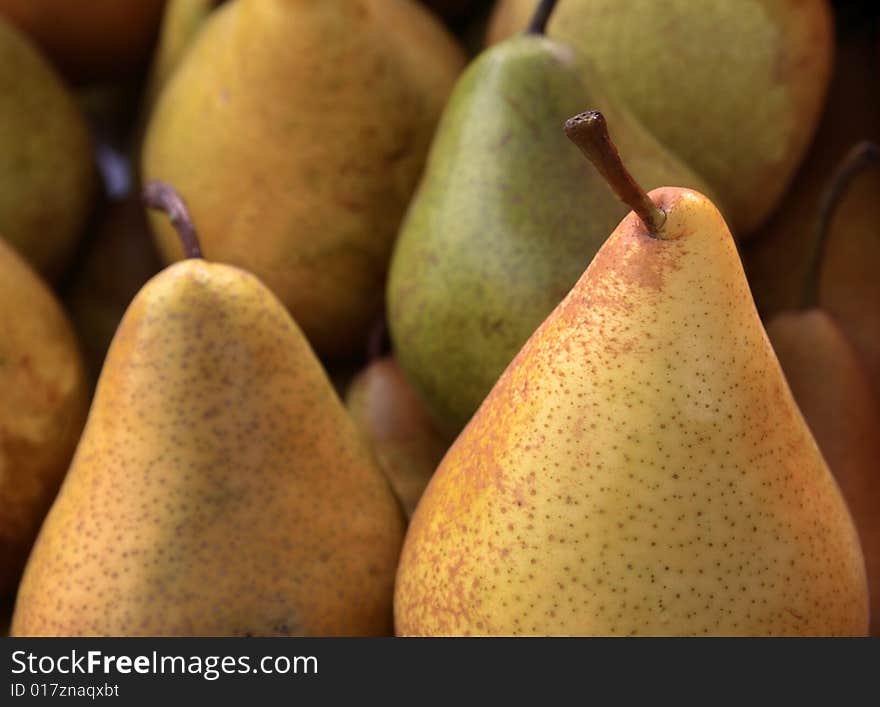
{"x":590,"y":133}
{"x":538,"y":25}
{"x":163,"y":197}
{"x":863,"y":155}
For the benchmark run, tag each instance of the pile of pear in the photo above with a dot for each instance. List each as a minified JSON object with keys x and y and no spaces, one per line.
{"x":331,"y":328}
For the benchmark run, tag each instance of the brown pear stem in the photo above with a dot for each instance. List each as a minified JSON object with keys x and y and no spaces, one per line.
{"x":538,"y":25}
{"x":163,"y":197}
{"x":863,"y":155}
{"x":590,"y":133}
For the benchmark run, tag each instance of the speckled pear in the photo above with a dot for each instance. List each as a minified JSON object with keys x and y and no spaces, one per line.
{"x":219,"y":488}
{"x":495,"y":236}
{"x":641,"y":467}
{"x":322,"y":113}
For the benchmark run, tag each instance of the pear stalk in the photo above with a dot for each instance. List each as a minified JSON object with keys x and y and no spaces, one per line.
{"x":862,"y":156}
{"x":163,"y":197}
{"x":589,"y":132}
{"x":538,"y":24}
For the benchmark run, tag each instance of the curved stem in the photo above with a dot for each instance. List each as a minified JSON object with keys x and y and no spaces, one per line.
{"x":538,"y":25}
{"x":163,"y":197}
{"x":859,"y":158}
{"x":590,"y":133}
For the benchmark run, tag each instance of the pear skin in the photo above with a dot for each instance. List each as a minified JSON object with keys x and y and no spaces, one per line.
{"x":42,"y":408}
{"x":395,"y":423}
{"x":495,"y":236}
{"x":251,"y":103}
{"x":220,"y":488}
{"x":89,"y":41}
{"x":641,"y":468}
{"x":46,"y":167}
{"x":734,"y":89}
{"x":182,"y":20}
{"x":831,"y":388}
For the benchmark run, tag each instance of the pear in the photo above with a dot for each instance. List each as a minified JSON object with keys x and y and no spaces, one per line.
{"x":47,"y":177}
{"x":42,"y":408}
{"x":89,"y":41}
{"x":397,"y":427}
{"x":832,"y":390}
{"x":249,"y":103}
{"x":219,"y":488}
{"x":641,"y":467}
{"x":495,"y":236}
{"x":735,"y":89}
{"x":181,"y":23}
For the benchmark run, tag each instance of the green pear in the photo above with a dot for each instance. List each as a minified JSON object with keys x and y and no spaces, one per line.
{"x":496,"y":236}
{"x":735,"y":89}
{"x":219,"y":487}
{"x":47,"y":177}
{"x":641,"y":467}
{"x":325,"y":111}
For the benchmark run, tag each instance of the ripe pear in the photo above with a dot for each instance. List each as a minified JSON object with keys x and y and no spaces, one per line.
{"x":397,"y":427}
{"x":220,"y":488}
{"x":47,"y":177}
{"x":495,"y":236}
{"x":641,"y":467}
{"x":88,"y":41}
{"x":42,"y":407}
{"x":735,"y":89}
{"x":326,"y":110}
{"x":831,"y":388}
{"x":181,"y":22}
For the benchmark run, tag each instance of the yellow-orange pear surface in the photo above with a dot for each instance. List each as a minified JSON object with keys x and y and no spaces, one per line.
{"x":833,"y":392}
{"x":43,"y":403}
{"x":220,"y":488}
{"x":324,"y":113}
{"x":640,"y":468}
{"x":46,"y":166}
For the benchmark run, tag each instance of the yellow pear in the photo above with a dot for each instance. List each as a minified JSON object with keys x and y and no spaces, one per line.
{"x":325,"y":112}
{"x":641,"y":467}
{"x":47,"y":177}
{"x":734,"y":89}
{"x":219,"y":488}
{"x":181,"y":22}
{"x":42,"y":407}
{"x":832,"y":390}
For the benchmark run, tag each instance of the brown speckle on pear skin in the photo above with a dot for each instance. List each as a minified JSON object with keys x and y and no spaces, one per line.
{"x":219,"y":488}
{"x":639,"y":469}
